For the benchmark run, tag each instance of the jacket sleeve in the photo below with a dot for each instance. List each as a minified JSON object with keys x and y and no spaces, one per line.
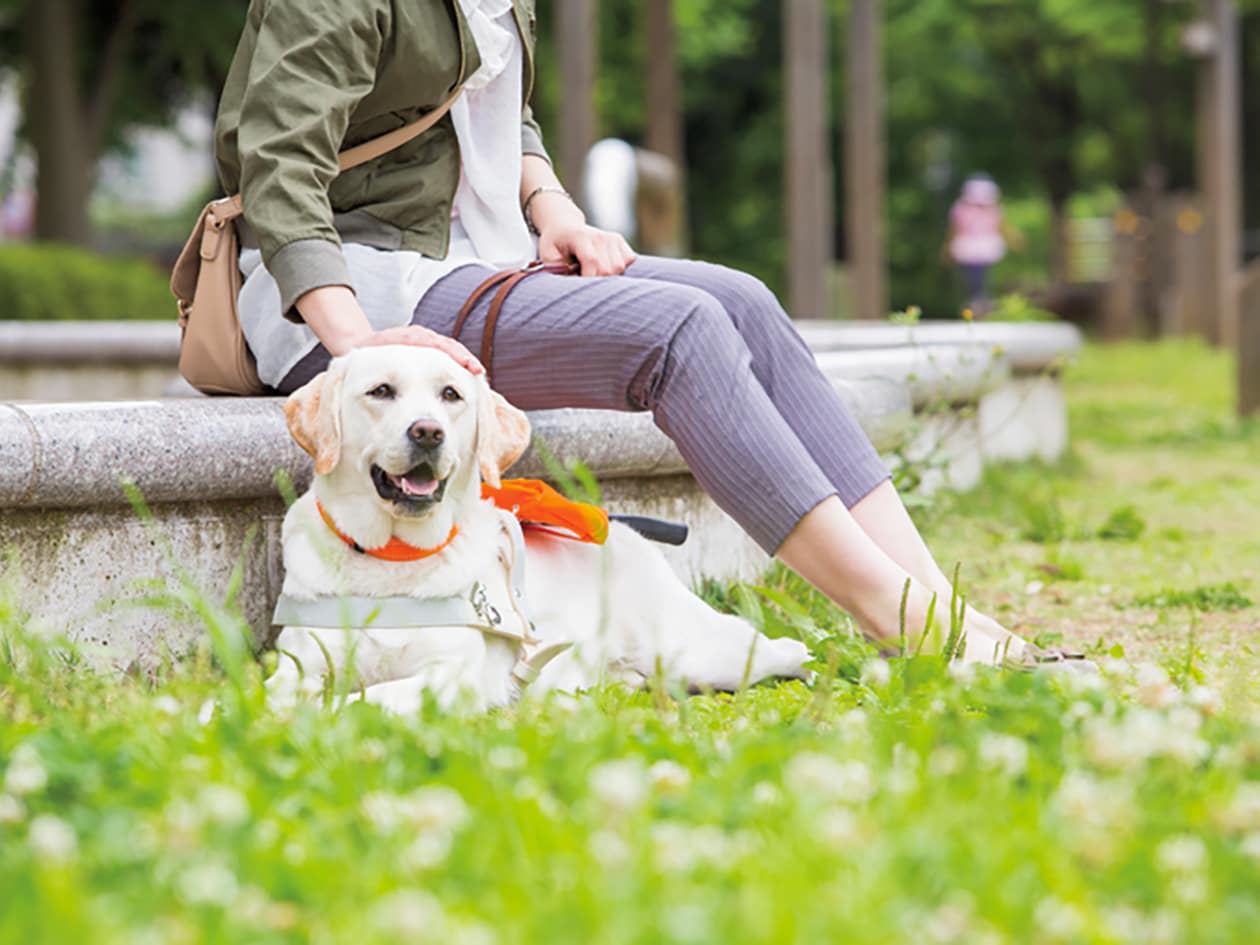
{"x":313,"y":62}
{"x":531,"y":136}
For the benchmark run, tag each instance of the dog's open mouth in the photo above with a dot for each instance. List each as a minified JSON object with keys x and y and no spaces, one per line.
{"x":417,"y":487}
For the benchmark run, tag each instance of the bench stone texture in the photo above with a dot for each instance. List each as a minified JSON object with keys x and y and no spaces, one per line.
{"x":1024,"y":416}
{"x":84,"y":561}
{"x":81,"y":561}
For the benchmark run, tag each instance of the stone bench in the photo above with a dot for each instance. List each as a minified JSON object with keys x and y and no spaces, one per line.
{"x":79,"y":556}
{"x":71,"y":361}
{"x":1023,"y":416}
{"x":206,"y":469}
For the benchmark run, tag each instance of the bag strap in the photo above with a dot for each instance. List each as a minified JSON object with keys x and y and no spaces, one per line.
{"x":370,"y":150}
{"x":223,"y":211}
{"x":505,"y":281}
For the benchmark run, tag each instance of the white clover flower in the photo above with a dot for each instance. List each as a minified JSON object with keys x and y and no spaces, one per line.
{"x":429,"y":849}
{"x":1154,"y":688}
{"x":766,"y":794}
{"x":372,"y":750}
{"x":609,"y":849}
{"x":411,"y":914}
{"x":903,"y":777}
{"x":436,"y":806}
{"x":11,"y":809}
{"x":1005,"y":753}
{"x":1116,"y":668}
{"x":1143,"y":734}
{"x":679,"y":848}
{"x":669,"y":777}
{"x":183,"y":817}
{"x":1181,"y":740}
{"x":506,"y":758}
{"x":206,"y":712}
{"x":207,"y":884}
{"x":1058,"y":920}
{"x":223,"y":805}
{"x":1250,"y":846}
{"x":1181,"y":854}
{"x":620,"y":785}
{"x":876,"y":674}
{"x":1106,"y":746}
{"x":383,"y":809}
{"x":950,"y":923}
{"x":167,"y":704}
{"x":252,"y":906}
{"x":25,"y":773}
{"x":1080,"y":709}
{"x":1206,"y":699}
{"x":1083,"y":800}
{"x":811,"y":773}
{"x":687,"y":923}
{"x":1242,"y":812}
{"x":1191,"y":889}
{"x":1128,"y":925}
{"x":467,"y":932}
{"x":52,"y":840}
{"x":946,"y":761}
{"x":1164,"y":928}
{"x":961,"y":672}
{"x":853,"y":724}
{"x":839,"y":828}
{"x":1125,"y":923}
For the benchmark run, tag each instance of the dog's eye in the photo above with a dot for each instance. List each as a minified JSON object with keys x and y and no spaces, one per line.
{"x":451,"y":395}
{"x":382,"y":392}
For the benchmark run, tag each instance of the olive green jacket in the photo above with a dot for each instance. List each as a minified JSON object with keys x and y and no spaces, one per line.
{"x":311,"y":78}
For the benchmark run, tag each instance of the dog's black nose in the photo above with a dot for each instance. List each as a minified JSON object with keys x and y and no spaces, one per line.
{"x":426,"y":433}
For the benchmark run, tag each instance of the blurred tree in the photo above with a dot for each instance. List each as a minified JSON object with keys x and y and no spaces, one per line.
{"x":91,"y":69}
{"x":1051,"y":97}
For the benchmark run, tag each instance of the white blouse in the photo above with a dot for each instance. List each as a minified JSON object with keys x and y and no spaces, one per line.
{"x":486,"y":223}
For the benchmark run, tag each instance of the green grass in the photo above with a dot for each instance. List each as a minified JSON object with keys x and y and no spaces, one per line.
{"x":898,"y":801}
{"x":1157,"y":504}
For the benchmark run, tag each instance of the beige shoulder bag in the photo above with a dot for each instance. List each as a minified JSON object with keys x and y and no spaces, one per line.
{"x":206,"y":280}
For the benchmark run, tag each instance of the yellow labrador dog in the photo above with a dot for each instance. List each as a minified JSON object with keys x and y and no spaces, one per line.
{"x":400,"y":579}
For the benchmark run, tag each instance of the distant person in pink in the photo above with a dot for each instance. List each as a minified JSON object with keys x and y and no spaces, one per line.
{"x":975,"y":240}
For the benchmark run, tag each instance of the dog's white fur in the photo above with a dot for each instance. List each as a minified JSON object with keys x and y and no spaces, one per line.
{"x":628,"y":615}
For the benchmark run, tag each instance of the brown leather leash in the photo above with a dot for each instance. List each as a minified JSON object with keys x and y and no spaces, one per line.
{"x":506,"y":281}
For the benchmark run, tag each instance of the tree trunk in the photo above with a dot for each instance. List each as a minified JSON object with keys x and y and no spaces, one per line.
{"x":1060,"y":242}
{"x":65,"y":151}
{"x":664,"y":132}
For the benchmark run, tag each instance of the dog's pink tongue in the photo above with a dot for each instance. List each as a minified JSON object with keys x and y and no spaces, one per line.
{"x":418,"y":488}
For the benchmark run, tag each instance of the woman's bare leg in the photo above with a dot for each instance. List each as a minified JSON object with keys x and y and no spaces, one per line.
{"x":833,"y":550}
{"x":883,"y":517}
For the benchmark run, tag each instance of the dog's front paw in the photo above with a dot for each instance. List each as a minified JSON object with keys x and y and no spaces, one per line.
{"x":790,"y":657}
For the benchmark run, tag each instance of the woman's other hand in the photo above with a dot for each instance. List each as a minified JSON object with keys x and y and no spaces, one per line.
{"x":598,"y":252}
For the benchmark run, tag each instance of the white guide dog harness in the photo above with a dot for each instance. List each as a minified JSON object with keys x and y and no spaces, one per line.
{"x":496,"y":607}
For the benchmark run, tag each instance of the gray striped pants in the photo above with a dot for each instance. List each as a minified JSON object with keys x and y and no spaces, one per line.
{"x":707,"y":349}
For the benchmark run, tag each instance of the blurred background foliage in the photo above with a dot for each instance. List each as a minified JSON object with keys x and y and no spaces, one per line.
{"x":1068,"y":104}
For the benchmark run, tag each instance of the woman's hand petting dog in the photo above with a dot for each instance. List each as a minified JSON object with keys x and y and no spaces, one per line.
{"x":421,"y":337}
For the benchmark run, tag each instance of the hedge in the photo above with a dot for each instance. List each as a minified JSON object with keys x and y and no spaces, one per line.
{"x":49,"y":282}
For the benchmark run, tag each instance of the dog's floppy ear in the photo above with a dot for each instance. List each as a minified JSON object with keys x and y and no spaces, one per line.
{"x":314,"y":415}
{"x":502,"y":433}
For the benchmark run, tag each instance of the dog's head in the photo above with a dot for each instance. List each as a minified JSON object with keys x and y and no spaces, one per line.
{"x":408,"y":419}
